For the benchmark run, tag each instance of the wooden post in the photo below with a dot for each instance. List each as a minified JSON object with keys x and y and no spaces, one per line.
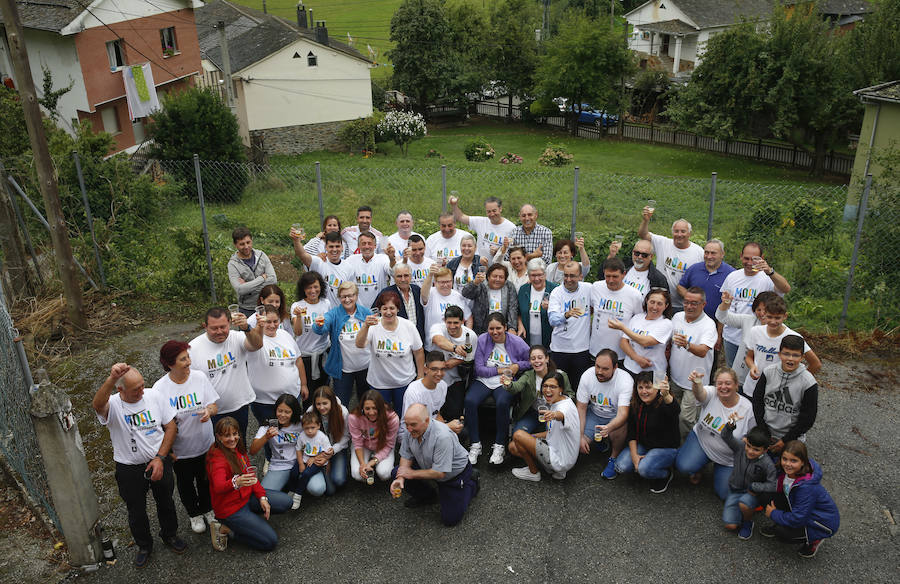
{"x":759,"y":149}
{"x":59,"y":234}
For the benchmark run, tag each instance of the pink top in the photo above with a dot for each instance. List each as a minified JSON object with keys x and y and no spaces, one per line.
{"x":364,"y":434}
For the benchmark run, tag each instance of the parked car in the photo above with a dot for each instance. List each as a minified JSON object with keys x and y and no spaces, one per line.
{"x":598,"y":118}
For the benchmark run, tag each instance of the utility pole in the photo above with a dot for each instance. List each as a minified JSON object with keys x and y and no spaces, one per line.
{"x":59,"y":234}
{"x":226,"y":65}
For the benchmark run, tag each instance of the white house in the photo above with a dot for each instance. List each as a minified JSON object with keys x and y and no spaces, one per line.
{"x":671,"y":34}
{"x":93,"y":44}
{"x":294,"y":87}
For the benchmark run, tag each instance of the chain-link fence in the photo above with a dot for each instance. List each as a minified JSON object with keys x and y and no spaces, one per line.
{"x":17,"y":437}
{"x":800,"y":225}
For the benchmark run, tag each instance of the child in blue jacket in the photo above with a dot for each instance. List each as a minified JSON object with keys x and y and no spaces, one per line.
{"x":803,"y":511}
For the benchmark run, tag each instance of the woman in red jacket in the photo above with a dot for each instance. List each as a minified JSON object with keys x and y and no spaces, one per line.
{"x":237,"y":496}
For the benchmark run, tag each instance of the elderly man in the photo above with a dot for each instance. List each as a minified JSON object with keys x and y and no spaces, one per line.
{"x":642,"y":275}
{"x":534,"y":238}
{"x":411,"y":295}
{"x":569,"y":313}
{"x":221,"y":355}
{"x":694,"y":336}
{"x":419,"y":265}
{"x":371,"y":271}
{"x":350,"y":234}
{"x":400,"y":239}
{"x":334,"y":270}
{"x":743,"y":285}
{"x":430,"y":451}
{"x":708,"y":275}
{"x":248,"y":270}
{"x":676,"y":254}
{"x":442,"y":246}
{"x":142,"y":429}
{"x":489,"y":230}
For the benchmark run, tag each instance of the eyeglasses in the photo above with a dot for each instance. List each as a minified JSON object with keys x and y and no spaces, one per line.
{"x":434,"y":368}
{"x":641,"y":254}
{"x":347,"y":296}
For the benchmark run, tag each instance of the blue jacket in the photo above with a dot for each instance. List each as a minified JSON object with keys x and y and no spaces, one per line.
{"x":812,"y":508}
{"x":334,"y":322}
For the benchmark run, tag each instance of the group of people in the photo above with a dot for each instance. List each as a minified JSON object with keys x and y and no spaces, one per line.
{"x":434,"y":333}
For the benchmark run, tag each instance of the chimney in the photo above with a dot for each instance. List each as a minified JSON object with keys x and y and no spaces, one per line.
{"x":301,"y":15}
{"x":321,"y":33}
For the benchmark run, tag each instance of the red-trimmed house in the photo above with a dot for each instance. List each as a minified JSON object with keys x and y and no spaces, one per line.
{"x":89,"y":44}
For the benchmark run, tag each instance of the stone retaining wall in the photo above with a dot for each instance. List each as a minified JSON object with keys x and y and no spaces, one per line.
{"x":298,"y":139}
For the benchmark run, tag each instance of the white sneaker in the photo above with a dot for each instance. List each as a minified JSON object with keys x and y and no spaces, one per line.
{"x":474,"y":452}
{"x":497,"y":454}
{"x":525,"y":474}
{"x":559,"y":475}
{"x":296,"y":504}
{"x":210,"y":516}
{"x":197,"y":524}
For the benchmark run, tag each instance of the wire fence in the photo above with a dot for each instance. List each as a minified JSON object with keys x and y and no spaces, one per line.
{"x":801,"y":225}
{"x":18,"y":441}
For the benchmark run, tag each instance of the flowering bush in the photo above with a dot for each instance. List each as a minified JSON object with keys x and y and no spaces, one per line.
{"x":555,"y":155}
{"x":511,"y":158}
{"x":402,"y":127}
{"x":479,"y":150}
{"x":432,"y":153}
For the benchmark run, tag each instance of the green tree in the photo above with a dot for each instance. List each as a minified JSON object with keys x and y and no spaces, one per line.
{"x":13,"y":135}
{"x":470,"y":37}
{"x":51,"y":96}
{"x":583,"y":62}
{"x":795,"y":80}
{"x":512,"y":52}
{"x":423,"y":58}
{"x":197,"y":121}
{"x":874,"y":45}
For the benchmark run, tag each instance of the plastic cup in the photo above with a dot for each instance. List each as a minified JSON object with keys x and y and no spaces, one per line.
{"x":579,"y":235}
{"x":698,"y":372}
{"x":755,"y":263}
{"x":658,"y":377}
{"x":370,"y":477}
{"x":260,"y":312}
{"x":234,"y":309}
{"x":598,"y":436}
{"x":482,"y":269}
{"x":396,"y":492}
{"x":619,"y":238}
{"x":651,"y":204}
{"x":542,"y":413}
{"x":298,"y":230}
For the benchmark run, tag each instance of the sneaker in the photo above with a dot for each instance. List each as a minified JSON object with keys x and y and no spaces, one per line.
{"x":559,"y":475}
{"x":474,"y":452}
{"x":659,"y":486}
{"x":176,"y":544}
{"x":219,"y":539}
{"x":610,"y":471}
{"x":768,"y":530}
{"x":497,"y":454}
{"x":198,"y":525}
{"x":296,"y":504}
{"x":746,"y":530}
{"x":142,"y":557}
{"x":808,"y":550}
{"x":525,"y":474}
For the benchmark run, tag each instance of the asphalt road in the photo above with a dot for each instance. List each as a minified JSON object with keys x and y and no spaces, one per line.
{"x":581,"y":529}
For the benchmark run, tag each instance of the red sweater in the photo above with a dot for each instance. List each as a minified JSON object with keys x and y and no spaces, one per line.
{"x":225,"y":499}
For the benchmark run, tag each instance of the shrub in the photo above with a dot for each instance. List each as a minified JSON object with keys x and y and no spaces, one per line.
{"x":402,"y":127}
{"x":511,"y":158}
{"x":197,"y":121}
{"x":360,"y":133}
{"x":555,"y":155}
{"x":479,"y":150}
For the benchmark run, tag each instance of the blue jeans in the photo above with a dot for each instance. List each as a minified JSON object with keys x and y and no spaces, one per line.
{"x":655,"y":464}
{"x":691,"y":459}
{"x":529,"y":422}
{"x":731,"y":512}
{"x":590,"y":420}
{"x":454,"y":494}
{"x":478,"y":392}
{"x":277,"y":480}
{"x":251,"y":528}
{"x":394,"y":396}
{"x":336,"y":475}
{"x":241,"y":415}
{"x":730,"y":353}
{"x":343,"y":387}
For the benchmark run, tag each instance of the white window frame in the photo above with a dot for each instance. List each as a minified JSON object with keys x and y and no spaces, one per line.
{"x":167,"y":38}
{"x":115,"y":52}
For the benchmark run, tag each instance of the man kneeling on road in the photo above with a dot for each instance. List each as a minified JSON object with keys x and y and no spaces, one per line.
{"x":429,"y":450}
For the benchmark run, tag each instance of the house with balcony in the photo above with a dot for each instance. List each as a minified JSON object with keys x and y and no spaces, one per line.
{"x":97,"y":45}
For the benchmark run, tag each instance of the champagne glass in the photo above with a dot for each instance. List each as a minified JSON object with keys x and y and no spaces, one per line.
{"x":651,"y":205}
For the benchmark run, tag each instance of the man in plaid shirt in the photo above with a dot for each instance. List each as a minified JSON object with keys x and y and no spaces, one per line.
{"x":536,"y":239}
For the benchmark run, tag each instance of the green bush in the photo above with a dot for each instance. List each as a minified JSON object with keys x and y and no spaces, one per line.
{"x":360,"y":134}
{"x":555,"y":155}
{"x":479,"y":150}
